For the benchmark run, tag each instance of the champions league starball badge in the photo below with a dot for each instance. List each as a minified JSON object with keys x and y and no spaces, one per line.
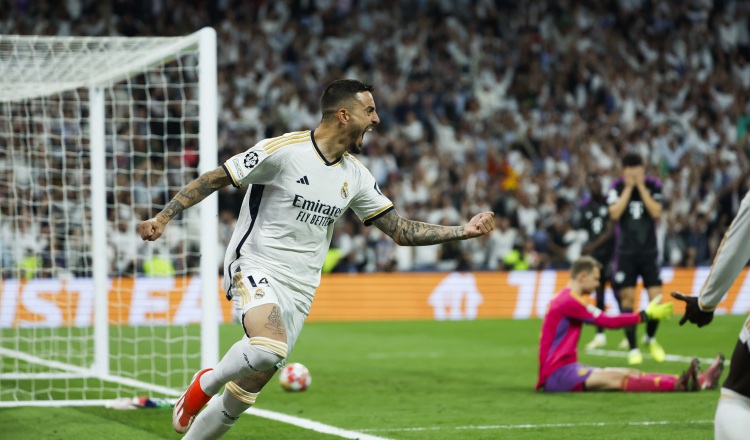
{"x":251,"y":159}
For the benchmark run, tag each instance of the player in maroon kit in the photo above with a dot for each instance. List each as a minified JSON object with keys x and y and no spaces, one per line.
{"x":635,"y":205}
{"x":559,"y":369}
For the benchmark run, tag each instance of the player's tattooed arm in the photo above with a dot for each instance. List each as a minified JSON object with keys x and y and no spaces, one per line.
{"x":191,"y":194}
{"x":407,"y":232}
{"x":194,"y":192}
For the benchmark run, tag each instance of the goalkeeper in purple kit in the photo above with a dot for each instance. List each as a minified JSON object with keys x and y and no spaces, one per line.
{"x":732,"y":420}
{"x":559,"y":370}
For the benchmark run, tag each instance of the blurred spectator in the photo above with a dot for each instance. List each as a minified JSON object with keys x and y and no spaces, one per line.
{"x":523,"y":257}
{"x":527,"y":214}
{"x":697,"y":249}
{"x":124,"y":256}
{"x":507,"y":236}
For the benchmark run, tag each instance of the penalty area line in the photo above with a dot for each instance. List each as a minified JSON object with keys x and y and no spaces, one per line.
{"x":311,"y":425}
{"x":537,"y":426}
{"x":266,"y":414}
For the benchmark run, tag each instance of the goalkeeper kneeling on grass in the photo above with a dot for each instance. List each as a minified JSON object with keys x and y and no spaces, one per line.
{"x":559,"y":369}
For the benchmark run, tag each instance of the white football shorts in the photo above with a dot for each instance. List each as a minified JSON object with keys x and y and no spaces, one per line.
{"x":732,"y":420}
{"x":252,"y":287}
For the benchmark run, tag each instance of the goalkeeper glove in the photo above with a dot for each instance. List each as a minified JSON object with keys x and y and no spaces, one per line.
{"x":656,"y":311}
{"x":693,"y":312}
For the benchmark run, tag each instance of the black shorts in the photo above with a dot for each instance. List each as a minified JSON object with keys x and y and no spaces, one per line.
{"x":606,"y":269}
{"x":627,"y":268}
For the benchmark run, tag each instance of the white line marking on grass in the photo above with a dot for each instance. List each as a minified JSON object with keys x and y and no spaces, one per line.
{"x":312,"y":425}
{"x":53,"y":403}
{"x":31,"y":359}
{"x":669,"y":357}
{"x":78,"y":372}
{"x":266,"y":414}
{"x":544,"y":425}
{"x":429,"y":354}
{"x":83,"y":372}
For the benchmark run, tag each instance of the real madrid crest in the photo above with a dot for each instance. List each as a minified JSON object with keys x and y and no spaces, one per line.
{"x":259,"y":293}
{"x":345,"y":190}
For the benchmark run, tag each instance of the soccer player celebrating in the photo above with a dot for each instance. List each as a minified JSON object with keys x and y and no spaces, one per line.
{"x":732,"y":420}
{"x":601,"y":245}
{"x":635,"y":204}
{"x":559,"y":369}
{"x":299,"y":185}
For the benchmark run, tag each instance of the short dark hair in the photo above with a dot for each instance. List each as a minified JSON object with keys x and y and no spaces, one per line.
{"x":632,"y":160}
{"x":583,"y":265}
{"x":339,"y":91}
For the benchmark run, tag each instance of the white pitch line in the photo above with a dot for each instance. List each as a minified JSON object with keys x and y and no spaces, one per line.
{"x":539,"y":426}
{"x":312,"y":425}
{"x":79,"y":372}
{"x":52,"y":403}
{"x":264,"y":413}
{"x":84,"y":372}
{"x":669,"y":357}
{"x":31,"y":359}
{"x":429,"y":354}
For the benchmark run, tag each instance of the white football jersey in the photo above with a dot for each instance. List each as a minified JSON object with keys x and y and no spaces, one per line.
{"x":294,"y":198}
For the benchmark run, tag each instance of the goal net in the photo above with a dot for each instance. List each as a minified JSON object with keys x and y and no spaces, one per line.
{"x":97,"y":134}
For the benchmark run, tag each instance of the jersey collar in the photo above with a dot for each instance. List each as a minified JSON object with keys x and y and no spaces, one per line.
{"x":323,"y":158}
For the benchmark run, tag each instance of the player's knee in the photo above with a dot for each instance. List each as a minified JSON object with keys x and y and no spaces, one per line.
{"x":236,"y":396}
{"x":266,"y":353}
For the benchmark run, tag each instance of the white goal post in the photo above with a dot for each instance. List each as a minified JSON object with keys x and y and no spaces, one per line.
{"x":96,"y":134}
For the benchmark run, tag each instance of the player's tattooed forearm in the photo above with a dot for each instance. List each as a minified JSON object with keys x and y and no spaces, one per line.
{"x":412,"y":233}
{"x":173,"y":208}
{"x":275,"y":323}
{"x":194,"y":192}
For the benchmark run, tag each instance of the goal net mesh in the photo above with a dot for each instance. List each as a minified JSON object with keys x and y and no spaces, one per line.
{"x":47,"y":293}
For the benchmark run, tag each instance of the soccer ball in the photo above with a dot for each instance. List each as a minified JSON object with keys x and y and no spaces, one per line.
{"x":295,"y":377}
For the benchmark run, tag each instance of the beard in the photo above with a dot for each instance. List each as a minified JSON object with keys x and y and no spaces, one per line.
{"x":355,"y":148}
{"x":357,"y":140}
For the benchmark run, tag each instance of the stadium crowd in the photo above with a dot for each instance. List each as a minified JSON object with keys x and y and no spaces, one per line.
{"x":484,"y":105}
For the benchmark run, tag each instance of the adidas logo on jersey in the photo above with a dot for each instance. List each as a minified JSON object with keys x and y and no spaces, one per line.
{"x":304,"y":181}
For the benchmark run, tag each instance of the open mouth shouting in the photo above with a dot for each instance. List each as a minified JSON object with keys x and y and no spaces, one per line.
{"x":362,"y":140}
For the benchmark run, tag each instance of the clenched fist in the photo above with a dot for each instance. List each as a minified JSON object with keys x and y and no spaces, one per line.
{"x":151,"y":229}
{"x":481,"y":224}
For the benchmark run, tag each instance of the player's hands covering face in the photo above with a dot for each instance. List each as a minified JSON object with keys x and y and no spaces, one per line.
{"x":639,"y":175}
{"x":629,"y":177}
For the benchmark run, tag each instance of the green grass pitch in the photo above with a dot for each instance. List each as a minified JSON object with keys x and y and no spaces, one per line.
{"x":431,"y":380}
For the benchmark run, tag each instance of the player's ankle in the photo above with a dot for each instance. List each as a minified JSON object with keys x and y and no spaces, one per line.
{"x":209,"y":383}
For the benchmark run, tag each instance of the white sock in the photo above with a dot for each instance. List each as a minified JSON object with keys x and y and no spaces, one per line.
{"x":221,"y":414}
{"x":245,"y":357}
